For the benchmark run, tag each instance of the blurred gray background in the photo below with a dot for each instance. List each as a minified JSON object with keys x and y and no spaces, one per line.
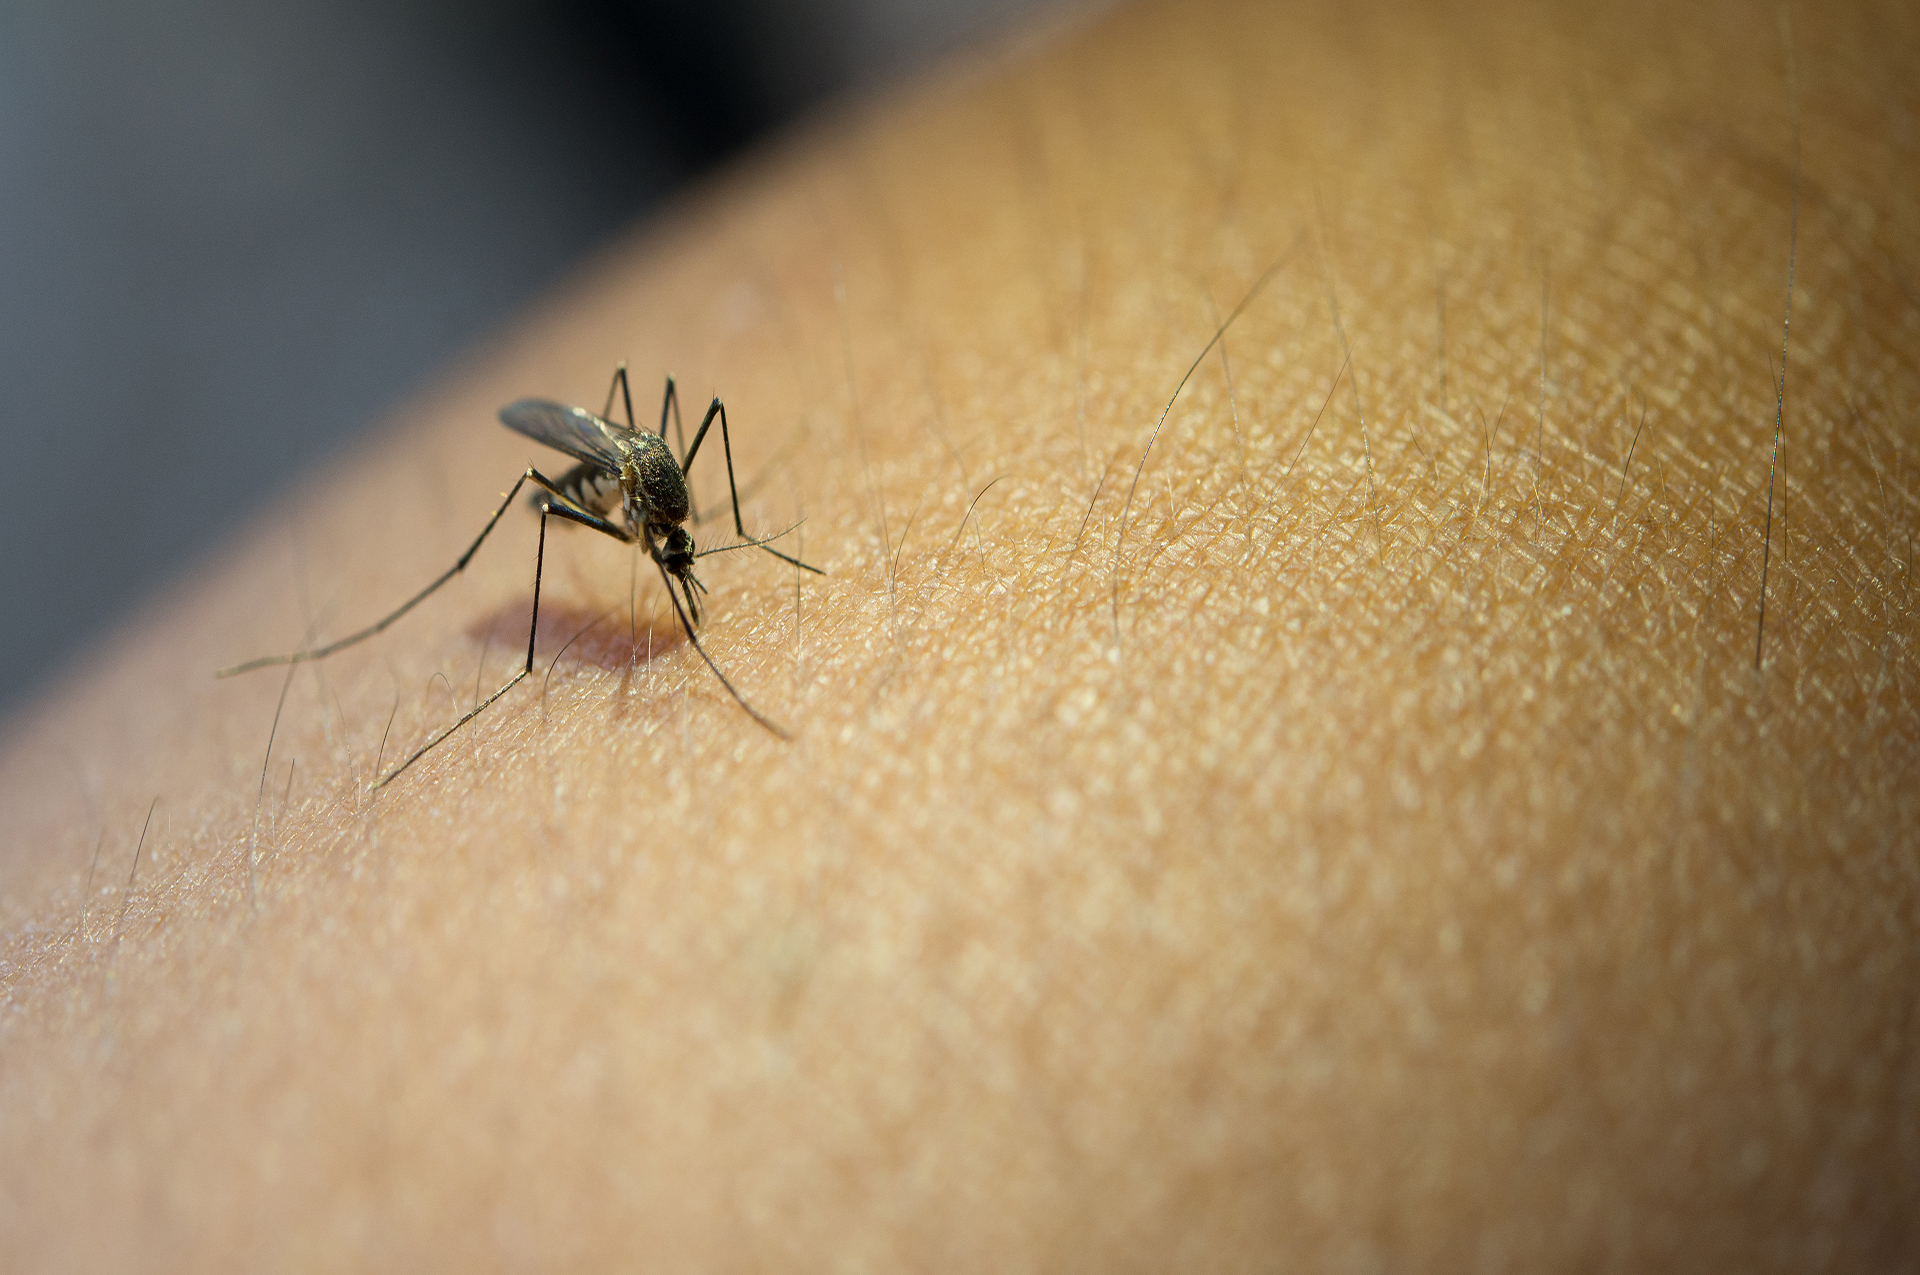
{"x":231,"y":232}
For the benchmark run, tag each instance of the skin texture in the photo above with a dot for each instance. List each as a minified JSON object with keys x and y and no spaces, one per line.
{"x":1353,"y":834}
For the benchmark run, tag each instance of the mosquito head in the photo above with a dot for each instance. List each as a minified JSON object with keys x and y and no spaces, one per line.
{"x":675,"y":553}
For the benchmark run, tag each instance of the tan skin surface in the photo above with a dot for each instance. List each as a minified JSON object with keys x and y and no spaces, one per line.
{"x":1365,"y":844}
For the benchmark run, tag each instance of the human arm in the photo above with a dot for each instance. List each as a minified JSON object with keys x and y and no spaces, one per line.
{"x":1346,"y":842}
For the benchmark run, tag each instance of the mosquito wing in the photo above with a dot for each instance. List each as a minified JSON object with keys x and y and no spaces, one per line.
{"x":573,"y":430}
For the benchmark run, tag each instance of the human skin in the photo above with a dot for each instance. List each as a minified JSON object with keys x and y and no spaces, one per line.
{"x":1354,"y":832}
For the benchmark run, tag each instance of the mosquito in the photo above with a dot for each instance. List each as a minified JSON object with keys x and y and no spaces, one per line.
{"x":622,"y":466}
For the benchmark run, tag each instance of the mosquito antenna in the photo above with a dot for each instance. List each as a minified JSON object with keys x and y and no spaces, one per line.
{"x":755,"y":544}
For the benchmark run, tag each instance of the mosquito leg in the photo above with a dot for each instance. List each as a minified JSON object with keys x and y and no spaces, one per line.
{"x":717,"y":408}
{"x":548,"y":509}
{"x":561,"y":506}
{"x":322,"y":652}
{"x":619,"y":383}
{"x":533,"y":627}
{"x":671,"y":399}
{"x":687,"y":628}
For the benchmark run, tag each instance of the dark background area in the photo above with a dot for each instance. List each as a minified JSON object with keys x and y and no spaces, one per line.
{"x":230,"y":233}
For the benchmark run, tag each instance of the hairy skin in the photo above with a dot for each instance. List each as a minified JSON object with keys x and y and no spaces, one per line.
{"x":1364,"y":842}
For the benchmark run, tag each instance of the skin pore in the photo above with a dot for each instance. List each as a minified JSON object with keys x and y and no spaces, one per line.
{"x":1353,"y":833}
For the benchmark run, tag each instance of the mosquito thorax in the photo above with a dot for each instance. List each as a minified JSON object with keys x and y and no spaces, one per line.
{"x":653,"y":475}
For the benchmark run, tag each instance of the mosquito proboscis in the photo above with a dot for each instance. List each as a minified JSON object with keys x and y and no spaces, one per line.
{"x":621,"y":468}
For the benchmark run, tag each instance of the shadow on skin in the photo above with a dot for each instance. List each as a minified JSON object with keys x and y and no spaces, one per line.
{"x":611,"y":638}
